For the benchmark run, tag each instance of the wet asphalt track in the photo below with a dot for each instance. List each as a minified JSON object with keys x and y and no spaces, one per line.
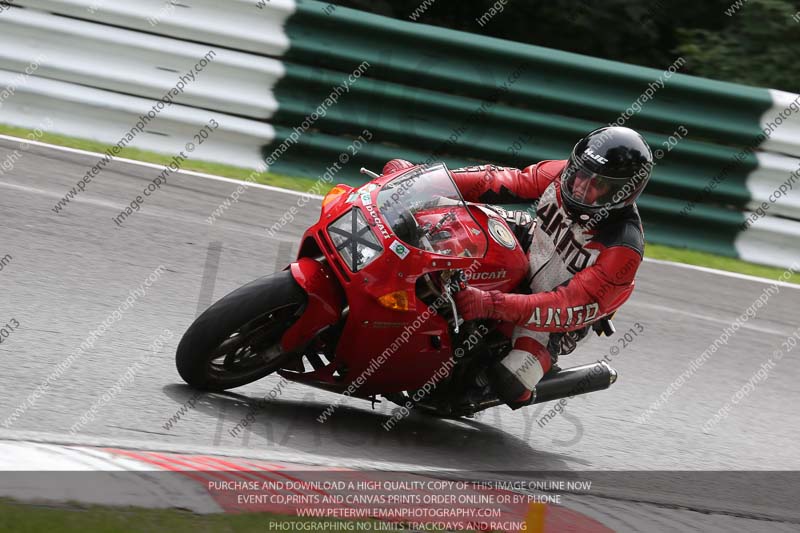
{"x":69,"y":271}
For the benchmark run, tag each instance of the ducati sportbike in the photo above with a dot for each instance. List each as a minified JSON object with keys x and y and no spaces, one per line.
{"x":367,"y":309}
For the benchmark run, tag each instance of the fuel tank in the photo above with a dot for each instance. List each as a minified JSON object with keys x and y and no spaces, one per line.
{"x":505,"y":264}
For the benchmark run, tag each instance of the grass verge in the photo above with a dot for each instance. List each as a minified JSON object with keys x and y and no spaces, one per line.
{"x":226,"y":171}
{"x":656,"y":251}
{"x":692,"y":257}
{"x":42,"y":518}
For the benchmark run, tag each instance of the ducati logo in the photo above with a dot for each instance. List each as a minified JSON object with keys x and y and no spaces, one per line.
{"x":366,"y":201}
{"x":483,"y":276}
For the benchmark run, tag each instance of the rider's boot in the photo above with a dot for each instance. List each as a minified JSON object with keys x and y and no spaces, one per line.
{"x":509,"y":388}
{"x":514,"y":378}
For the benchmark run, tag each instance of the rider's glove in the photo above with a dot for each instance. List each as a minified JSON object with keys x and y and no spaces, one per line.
{"x":396,"y":164}
{"x":474,"y":303}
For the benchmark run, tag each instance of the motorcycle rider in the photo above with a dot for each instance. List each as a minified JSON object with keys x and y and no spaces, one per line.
{"x":585,"y":246}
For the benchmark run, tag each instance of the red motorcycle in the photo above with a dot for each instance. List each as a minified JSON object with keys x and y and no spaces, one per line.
{"x":367,"y":309}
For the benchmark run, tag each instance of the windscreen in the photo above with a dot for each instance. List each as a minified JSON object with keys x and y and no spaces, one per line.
{"x":425,"y":211}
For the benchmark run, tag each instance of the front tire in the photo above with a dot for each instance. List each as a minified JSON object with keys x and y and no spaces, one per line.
{"x":237,"y":340}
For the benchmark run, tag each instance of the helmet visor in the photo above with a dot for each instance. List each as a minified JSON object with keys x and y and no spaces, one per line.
{"x":592,"y":190}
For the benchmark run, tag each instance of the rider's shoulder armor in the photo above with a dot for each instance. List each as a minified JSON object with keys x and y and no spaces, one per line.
{"x":624,"y":229}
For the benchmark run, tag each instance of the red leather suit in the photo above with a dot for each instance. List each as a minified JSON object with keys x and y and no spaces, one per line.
{"x":579,"y":273}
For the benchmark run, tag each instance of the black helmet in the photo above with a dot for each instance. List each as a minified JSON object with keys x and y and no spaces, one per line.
{"x":608,"y":170}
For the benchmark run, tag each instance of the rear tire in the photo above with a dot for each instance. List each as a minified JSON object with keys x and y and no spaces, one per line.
{"x":237,"y":340}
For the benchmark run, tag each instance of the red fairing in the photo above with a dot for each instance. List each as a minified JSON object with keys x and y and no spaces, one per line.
{"x":383,"y":348}
{"x":593,"y":293}
{"x":325,"y":300}
{"x":391,"y":340}
{"x":492,"y":184}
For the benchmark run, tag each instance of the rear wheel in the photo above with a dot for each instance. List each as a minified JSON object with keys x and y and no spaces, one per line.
{"x":237,"y":340}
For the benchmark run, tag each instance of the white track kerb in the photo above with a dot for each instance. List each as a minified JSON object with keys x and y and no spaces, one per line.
{"x":775,"y":188}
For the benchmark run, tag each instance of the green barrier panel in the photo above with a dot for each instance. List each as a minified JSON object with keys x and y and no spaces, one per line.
{"x":706,"y":228}
{"x":436,"y":94}
{"x":662,"y":221}
{"x":561,"y":82}
{"x":461,"y":127}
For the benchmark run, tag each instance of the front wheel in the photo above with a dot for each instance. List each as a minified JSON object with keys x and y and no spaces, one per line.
{"x":237,"y":340}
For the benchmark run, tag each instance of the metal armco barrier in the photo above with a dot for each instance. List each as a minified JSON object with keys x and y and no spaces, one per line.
{"x":425,"y":94}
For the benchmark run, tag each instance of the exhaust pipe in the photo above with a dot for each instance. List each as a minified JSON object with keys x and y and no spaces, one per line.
{"x":562,"y":384}
{"x":574,"y":381}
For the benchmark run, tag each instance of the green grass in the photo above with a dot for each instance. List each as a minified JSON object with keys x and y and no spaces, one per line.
{"x":227,"y":171}
{"x":25,"y":518}
{"x":692,"y":257}
{"x":656,"y":251}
